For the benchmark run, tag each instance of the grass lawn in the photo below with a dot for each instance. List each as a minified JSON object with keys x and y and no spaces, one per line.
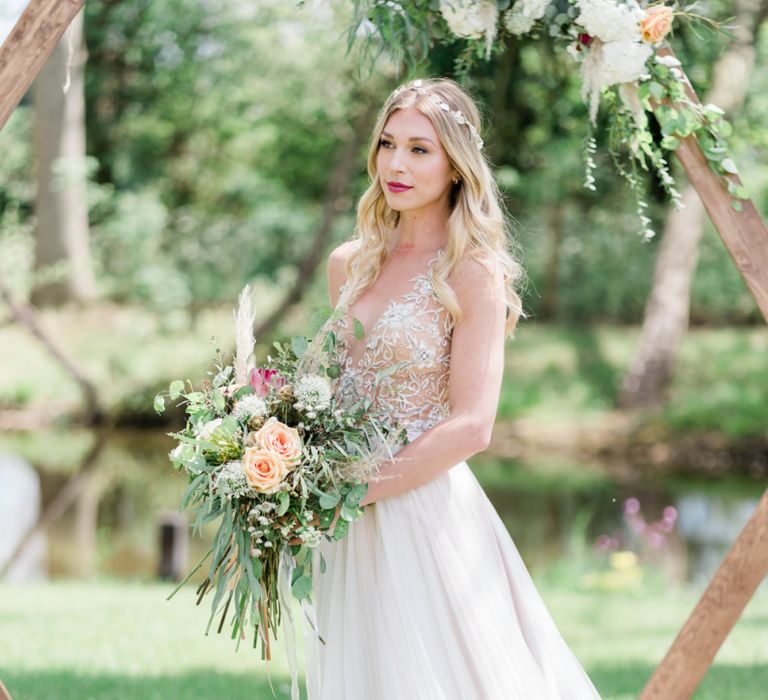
{"x":115,"y":640}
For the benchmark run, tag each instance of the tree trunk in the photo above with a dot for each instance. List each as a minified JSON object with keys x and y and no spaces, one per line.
{"x":336,"y":201}
{"x":59,"y":142}
{"x":667,"y":312}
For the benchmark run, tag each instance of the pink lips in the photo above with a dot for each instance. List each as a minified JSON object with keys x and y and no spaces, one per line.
{"x":398,"y":187}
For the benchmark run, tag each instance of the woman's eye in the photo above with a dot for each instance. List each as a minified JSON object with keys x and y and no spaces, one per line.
{"x":386,"y":144}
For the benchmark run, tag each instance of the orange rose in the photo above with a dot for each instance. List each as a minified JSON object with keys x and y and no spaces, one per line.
{"x":656,"y":23}
{"x":264,"y":469}
{"x":279,"y":438}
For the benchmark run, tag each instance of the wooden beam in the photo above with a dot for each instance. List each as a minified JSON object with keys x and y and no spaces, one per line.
{"x":746,"y":563}
{"x":721,"y":605}
{"x":28,"y":46}
{"x":743,"y":232}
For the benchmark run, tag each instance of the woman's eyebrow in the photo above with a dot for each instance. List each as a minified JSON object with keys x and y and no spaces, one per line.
{"x":413,"y":138}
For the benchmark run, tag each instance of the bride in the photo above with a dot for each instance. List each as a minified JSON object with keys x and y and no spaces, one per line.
{"x":427,"y":597}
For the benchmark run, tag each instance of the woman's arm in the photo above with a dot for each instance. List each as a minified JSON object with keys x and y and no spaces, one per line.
{"x":476,"y":372}
{"x":336,"y":270}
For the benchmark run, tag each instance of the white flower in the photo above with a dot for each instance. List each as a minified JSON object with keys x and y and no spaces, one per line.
{"x":206,"y":431}
{"x":231,"y":482}
{"x":668,"y":61}
{"x":313,"y":392}
{"x":250,"y":406}
{"x":624,"y":61}
{"x":517,"y":23}
{"x":523,"y":14}
{"x":610,"y":63}
{"x":467,"y":18}
{"x":175,"y":453}
{"x":609,"y":21}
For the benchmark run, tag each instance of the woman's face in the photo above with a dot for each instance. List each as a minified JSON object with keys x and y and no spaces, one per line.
{"x":410,"y":154}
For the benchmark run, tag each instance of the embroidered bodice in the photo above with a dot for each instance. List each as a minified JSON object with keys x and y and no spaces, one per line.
{"x":408,"y":347}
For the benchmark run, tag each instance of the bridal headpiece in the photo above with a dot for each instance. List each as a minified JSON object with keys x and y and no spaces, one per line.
{"x":458,"y":115}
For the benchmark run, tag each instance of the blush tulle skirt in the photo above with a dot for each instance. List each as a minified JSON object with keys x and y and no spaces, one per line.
{"x":428,"y":598}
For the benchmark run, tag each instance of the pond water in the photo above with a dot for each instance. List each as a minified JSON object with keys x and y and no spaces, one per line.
{"x":565,"y":518}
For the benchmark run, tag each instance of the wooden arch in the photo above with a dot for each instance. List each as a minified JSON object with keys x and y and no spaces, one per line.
{"x":745,"y":236}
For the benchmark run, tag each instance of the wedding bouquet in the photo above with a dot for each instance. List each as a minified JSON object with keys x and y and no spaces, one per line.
{"x":273,"y":457}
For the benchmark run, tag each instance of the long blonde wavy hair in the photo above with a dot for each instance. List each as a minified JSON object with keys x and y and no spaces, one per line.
{"x":478,"y":224}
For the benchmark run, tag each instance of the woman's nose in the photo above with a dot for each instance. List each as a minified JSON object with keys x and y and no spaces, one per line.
{"x":397,"y":161}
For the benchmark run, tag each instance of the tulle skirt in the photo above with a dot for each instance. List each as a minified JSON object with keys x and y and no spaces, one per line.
{"x":428,"y":598}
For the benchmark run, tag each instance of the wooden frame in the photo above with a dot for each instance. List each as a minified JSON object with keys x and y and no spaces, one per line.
{"x":744,"y":235}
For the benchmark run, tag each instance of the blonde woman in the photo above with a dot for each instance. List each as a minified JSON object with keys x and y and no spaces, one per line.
{"x":427,"y":597}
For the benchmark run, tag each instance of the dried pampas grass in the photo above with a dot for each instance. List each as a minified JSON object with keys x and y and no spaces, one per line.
{"x":244,"y":340}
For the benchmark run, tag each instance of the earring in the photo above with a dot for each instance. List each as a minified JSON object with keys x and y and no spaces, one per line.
{"x":456,"y":180}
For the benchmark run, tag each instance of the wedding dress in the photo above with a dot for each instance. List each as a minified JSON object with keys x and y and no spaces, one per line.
{"x":427,"y":597}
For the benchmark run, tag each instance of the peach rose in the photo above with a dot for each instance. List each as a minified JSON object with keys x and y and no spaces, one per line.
{"x":279,"y":438}
{"x":656,"y":23}
{"x":264,"y":469}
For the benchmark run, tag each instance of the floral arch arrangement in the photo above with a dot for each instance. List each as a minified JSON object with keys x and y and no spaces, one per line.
{"x":614,"y":43}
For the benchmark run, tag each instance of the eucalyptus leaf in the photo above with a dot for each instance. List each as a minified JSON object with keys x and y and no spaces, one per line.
{"x":348,"y":513}
{"x":299,"y":345}
{"x":355,"y":495}
{"x":341,"y":529}
{"x":298,"y":572}
{"x":358,"y":328}
{"x":159,"y":403}
{"x":657,"y":90}
{"x":284,"y":500}
{"x":729,"y":166}
{"x":176,"y":388}
{"x":329,"y":500}
{"x":302,"y":587}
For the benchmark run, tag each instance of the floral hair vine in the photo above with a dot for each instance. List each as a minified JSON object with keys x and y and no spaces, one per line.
{"x":458,"y":115}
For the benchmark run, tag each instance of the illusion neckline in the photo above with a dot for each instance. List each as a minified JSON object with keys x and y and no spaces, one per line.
{"x":355,"y":366}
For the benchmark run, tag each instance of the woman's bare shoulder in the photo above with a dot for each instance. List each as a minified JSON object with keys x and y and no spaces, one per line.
{"x":341,"y":253}
{"x":475,"y":270}
{"x":337,"y":267}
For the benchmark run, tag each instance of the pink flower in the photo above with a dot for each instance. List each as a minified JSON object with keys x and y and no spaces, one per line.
{"x":603,"y":542}
{"x":262,"y":379}
{"x":585,"y":39}
{"x":670,"y":514}
{"x":632,"y":505}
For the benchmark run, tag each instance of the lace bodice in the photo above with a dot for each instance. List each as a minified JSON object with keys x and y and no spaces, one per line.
{"x":408,"y":347}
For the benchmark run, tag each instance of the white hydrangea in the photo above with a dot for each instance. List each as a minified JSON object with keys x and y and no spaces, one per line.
{"x":610,"y":21}
{"x":520,"y":19}
{"x":624,"y":61}
{"x":517,"y":23}
{"x":206,"y":431}
{"x":231,"y":482}
{"x":611,"y":63}
{"x":469,"y":19}
{"x":313,"y":393}
{"x":249,"y":406}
